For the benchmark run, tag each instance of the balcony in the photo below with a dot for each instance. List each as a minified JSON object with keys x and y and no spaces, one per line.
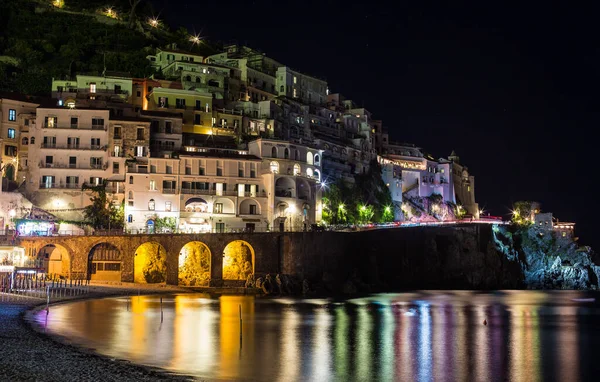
{"x":73,"y":147}
{"x":58,"y":186}
{"x":78,"y":166}
{"x":169,"y":191}
{"x":76,"y":127}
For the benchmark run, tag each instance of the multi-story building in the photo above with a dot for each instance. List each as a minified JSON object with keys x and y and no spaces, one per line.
{"x":291,"y":176}
{"x":112,"y":90}
{"x":209,"y":190}
{"x":306,"y":89}
{"x":464,"y":185}
{"x":17,"y":113}
{"x":165,"y":132}
{"x":68,"y":148}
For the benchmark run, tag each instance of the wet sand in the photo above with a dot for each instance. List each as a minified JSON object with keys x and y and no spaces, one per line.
{"x":28,"y":355}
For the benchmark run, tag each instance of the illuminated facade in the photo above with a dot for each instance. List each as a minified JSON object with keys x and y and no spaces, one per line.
{"x":291,"y":175}
{"x":17,"y":114}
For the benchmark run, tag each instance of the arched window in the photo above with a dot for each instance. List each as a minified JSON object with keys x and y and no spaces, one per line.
{"x":286,"y":153}
{"x":309,"y":158}
{"x":130,"y":197}
{"x":297,"y":155}
{"x":274,"y":152}
{"x":317,"y":160}
{"x":131,"y":180}
{"x":274,"y":167}
{"x":151,"y":205}
{"x":309,"y":172}
{"x":129,"y":218}
{"x":297,"y":169}
{"x":317,"y":175}
{"x":198,"y":80}
{"x":188,"y":78}
{"x":281,"y":88}
{"x":25,"y":141}
{"x":32,"y":141}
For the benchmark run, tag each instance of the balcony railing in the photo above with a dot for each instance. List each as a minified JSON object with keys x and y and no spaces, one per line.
{"x":73,"y":147}
{"x":79,"y":166}
{"x":76,"y":127}
{"x":71,"y":186}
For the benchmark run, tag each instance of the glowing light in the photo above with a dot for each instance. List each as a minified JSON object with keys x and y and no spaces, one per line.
{"x":292,"y":209}
{"x":195,"y":39}
{"x":153,"y":22}
{"x":363,"y":208}
{"x":13,"y":213}
{"x":341,"y":207}
{"x":388,"y":209}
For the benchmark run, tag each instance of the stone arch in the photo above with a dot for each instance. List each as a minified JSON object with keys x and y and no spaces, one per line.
{"x":238,"y":260}
{"x":245,"y":207}
{"x":194,"y":264}
{"x":228,"y":206}
{"x":150,"y":263}
{"x":303,"y":189}
{"x":105,"y":262}
{"x":274,"y":152}
{"x":285,"y":187}
{"x":55,"y":260}
{"x":25,"y":141}
{"x":317,"y":175}
{"x":286,"y":153}
{"x":317,"y":159}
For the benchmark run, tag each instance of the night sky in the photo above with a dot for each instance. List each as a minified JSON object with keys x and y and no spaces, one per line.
{"x":511,"y":88}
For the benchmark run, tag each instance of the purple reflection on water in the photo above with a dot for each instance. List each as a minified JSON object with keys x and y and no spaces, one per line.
{"x":418,"y":336}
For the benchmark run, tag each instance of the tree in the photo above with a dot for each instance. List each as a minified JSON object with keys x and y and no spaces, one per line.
{"x":365,"y":214}
{"x":521,"y":213}
{"x":134,"y":4}
{"x":165,"y":224}
{"x":102,"y":214}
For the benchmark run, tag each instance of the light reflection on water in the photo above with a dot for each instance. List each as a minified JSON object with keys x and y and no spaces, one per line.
{"x":529,"y":336}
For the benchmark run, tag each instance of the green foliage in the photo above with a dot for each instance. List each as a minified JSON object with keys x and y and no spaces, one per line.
{"x":521,"y":213}
{"x":164,"y":224}
{"x":48,"y":42}
{"x":102,"y":214}
{"x":342,"y":203}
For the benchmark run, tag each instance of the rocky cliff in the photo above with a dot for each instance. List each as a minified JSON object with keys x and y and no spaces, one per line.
{"x":547,"y":259}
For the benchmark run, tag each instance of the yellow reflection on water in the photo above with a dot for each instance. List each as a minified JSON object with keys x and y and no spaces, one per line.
{"x":290,"y":346}
{"x":525,"y":344}
{"x":568,"y":350}
{"x":194,"y":337}
{"x":322,"y":345}
{"x":138,"y":341}
{"x":231,"y":351}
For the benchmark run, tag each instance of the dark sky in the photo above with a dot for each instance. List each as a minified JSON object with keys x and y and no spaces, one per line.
{"x":511,"y":87}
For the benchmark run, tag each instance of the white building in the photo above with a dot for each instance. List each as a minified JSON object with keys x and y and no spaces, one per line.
{"x":291,"y":176}
{"x":305,"y":89}
{"x":209,"y":190}
{"x":68,"y":148}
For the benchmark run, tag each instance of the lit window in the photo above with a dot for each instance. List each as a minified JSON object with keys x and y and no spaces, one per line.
{"x":130,"y":218}
{"x":309,"y":172}
{"x":92,"y":88}
{"x":11,"y":133}
{"x":151,"y":205}
{"x":295,"y":80}
{"x":274,"y":167}
{"x":168,"y":206}
{"x":295,"y":93}
{"x":296,"y":169}
{"x":152,"y":185}
{"x":12,"y":115}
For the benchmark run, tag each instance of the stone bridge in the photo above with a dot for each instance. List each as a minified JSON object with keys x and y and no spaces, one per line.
{"x":271,"y":252}
{"x":410,"y":257}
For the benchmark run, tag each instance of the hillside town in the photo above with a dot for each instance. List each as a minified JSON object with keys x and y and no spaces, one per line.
{"x":225,"y":143}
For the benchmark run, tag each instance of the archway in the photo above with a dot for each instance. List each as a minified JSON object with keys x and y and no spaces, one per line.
{"x":194,"y":264}
{"x":54,"y":260}
{"x":285,"y":187}
{"x":238,"y":260}
{"x":249,"y":207}
{"x":9,"y":172}
{"x":303,"y":189}
{"x":150,"y":264}
{"x":105,"y":263}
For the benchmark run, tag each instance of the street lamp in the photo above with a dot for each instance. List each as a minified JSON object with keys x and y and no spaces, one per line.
{"x":195,"y":39}
{"x":153,"y":22}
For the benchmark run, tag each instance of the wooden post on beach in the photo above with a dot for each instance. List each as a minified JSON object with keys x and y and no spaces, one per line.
{"x":48,"y":300}
{"x":240,"y":308}
{"x":161,"y":311}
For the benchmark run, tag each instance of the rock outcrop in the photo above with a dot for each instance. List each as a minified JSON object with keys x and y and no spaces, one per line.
{"x":548,"y":260}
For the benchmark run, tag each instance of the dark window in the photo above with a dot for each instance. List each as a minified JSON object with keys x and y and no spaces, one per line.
{"x":140,"y":134}
{"x":139,"y":93}
{"x":169,"y":127}
{"x":252,"y":209}
{"x":117,"y":132}
{"x":10,"y":150}
{"x":197,"y":120}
